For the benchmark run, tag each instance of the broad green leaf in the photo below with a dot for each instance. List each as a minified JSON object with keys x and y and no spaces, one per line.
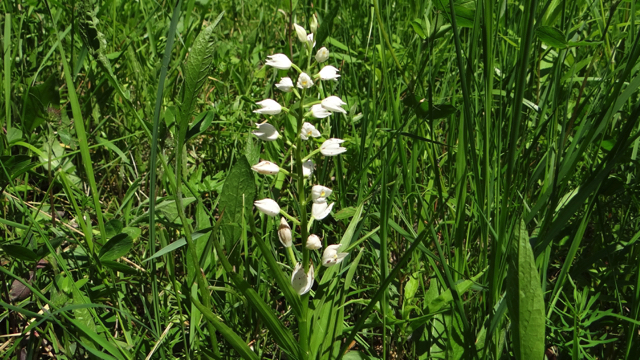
{"x":200,"y":124}
{"x":20,"y":252}
{"x":116,"y":247}
{"x":113,"y":228}
{"x":326,"y":25}
{"x":238,"y":194}
{"x":551,"y":36}
{"x":524,"y":299}
{"x":417,"y":27}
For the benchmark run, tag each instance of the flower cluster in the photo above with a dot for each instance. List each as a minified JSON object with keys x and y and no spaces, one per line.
{"x":318,"y":107}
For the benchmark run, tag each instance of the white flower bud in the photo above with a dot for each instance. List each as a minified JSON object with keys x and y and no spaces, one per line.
{"x":269,"y":107}
{"x":334,"y":103}
{"x":266,"y":132}
{"x":307,"y":168}
{"x":322,"y":55}
{"x":266,"y":168}
{"x":314,"y":24}
{"x":310,"y":40}
{"x":329,"y":73}
{"x":301,"y":32}
{"x":313,"y":242}
{"x":267,"y":206}
{"x":279,"y":61}
{"x":285,"y":84}
{"x":319,"y":112}
{"x":284,"y":233}
{"x":331,"y":147}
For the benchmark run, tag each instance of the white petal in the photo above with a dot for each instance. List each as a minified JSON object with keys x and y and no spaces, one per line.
{"x":300,"y":281}
{"x":320,"y":211}
{"x":266,"y":132}
{"x":319,"y":193}
{"x":322,"y":55}
{"x":266,"y":168}
{"x":267,"y":206}
{"x":313,"y":242}
{"x":279,"y":61}
{"x":304,"y":81}
{"x":319,"y":112}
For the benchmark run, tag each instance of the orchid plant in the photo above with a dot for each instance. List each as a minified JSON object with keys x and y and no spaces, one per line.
{"x":312,"y":108}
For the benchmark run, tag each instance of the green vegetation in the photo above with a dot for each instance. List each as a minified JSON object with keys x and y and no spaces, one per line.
{"x":488,"y":199}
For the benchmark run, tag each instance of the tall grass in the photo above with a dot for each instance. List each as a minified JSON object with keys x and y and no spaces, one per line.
{"x":488,"y":198}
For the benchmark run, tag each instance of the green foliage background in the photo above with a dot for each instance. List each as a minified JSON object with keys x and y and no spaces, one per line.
{"x":489,"y":195}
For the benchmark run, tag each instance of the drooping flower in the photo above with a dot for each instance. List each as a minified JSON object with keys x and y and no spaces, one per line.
{"x":329,"y":73}
{"x":266,"y":168}
{"x":318,"y":112}
{"x":266,"y":132}
{"x":284,"y":233}
{"x":285,"y":84}
{"x":322,"y":55}
{"x":304,"y":81}
{"x":269,"y":107}
{"x":308,"y":130}
{"x":320,"y":211}
{"x":331,"y":256}
{"x":331,"y":147}
{"x":314,"y":24}
{"x":319,"y":193}
{"x":313,"y":242}
{"x":307,"y":168}
{"x":300,"y":281}
{"x":267,"y":206}
{"x":334,"y":103}
{"x":279,"y":61}
{"x":301,"y":32}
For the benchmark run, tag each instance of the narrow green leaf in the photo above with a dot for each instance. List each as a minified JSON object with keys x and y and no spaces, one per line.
{"x":524,"y":299}
{"x":20,"y":252}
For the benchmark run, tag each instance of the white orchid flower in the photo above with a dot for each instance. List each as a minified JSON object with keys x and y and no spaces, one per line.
{"x":318,"y":112}
{"x":266,"y":168}
{"x":300,"y":281}
{"x":279,"y":61}
{"x":307,"y":168}
{"x":310,"y":40}
{"x":319,"y":193}
{"x":331,"y":147}
{"x":284,"y":233}
{"x":266,"y":132}
{"x":313,"y":242}
{"x":285,"y":84}
{"x":267,"y":206}
{"x":334,"y":103}
{"x":329,"y":73}
{"x":269,"y":107}
{"x":322,"y":55}
{"x":320,"y":211}
{"x":331,"y":256}
{"x":301,"y":32}
{"x":308,"y":130}
{"x":304,"y":81}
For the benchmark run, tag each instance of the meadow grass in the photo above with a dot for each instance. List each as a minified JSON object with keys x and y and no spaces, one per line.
{"x":488,"y":198}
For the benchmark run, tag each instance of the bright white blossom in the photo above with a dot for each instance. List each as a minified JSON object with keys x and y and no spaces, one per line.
{"x":322,"y":55}
{"x":308,"y":130}
{"x":319,"y":193}
{"x":266,"y":168}
{"x":284,"y":233}
{"x":314,"y":24}
{"x":301,"y":32}
{"x":267,"y":206}
{"x":310,"y":40}
{"x":318,"y":112}
{"x":279,"y":61}
{"x":300,"y":281}
{"x":266,"y":132}
{"x":334,"y":103}
{"x":329,"y":73}
{"x":304,"y":81}
{"x":307,"y":168}
{"x":285,"y":84}
{"x":331,"y":147}
{"x":269,"y":107}
{"x":331,"y":256}
{"x":320,"y":211}
{"x":313,"y":242}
